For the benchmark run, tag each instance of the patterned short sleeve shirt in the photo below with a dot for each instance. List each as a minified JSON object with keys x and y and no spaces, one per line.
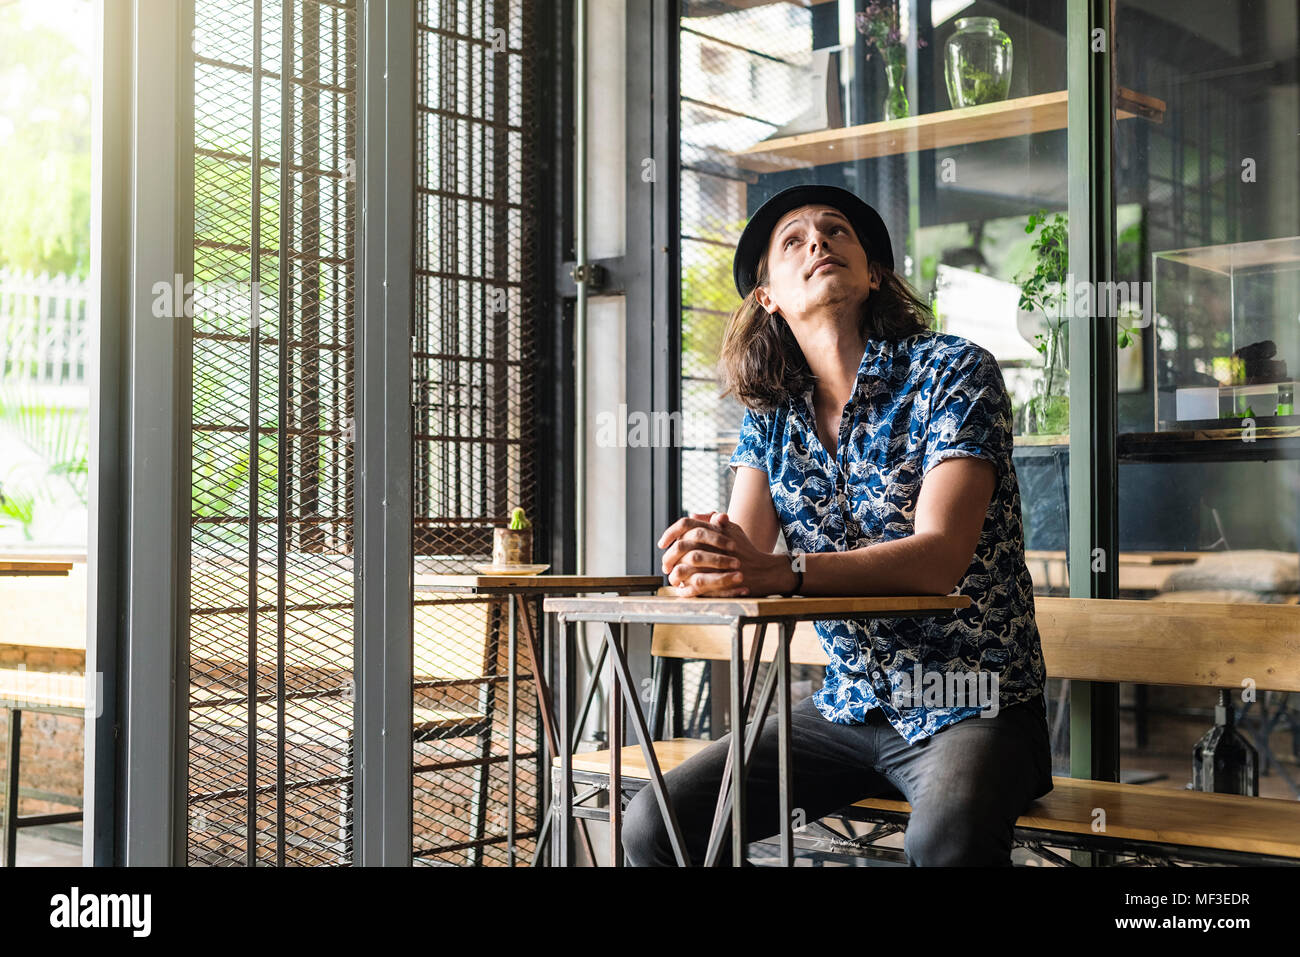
{"x":917,"y":401}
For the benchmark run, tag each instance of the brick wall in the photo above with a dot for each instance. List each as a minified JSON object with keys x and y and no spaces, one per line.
{"x":52,"y":760}
{"x":42,"y":628}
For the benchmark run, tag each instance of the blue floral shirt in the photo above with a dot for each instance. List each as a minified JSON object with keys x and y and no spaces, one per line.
{"x":917,"y":401}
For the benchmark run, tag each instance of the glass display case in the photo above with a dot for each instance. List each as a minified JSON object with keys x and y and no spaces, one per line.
{"x":1227,"y":335}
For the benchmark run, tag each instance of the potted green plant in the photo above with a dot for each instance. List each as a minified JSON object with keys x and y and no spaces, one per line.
{"x":1042,"y":295}
{"x":1043,"y":307}
{"x":513,"y":545}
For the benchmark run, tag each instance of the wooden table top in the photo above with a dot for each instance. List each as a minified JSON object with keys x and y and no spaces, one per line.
{"x":33,"y":567}
{"x":551,"y":584}
{"x":1139,"y":572}
{"x":667,"y":609}
{"x":1125,"y":558}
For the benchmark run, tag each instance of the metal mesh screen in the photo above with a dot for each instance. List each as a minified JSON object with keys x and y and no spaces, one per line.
{"x":742,"y":79}
{"x":473,"y":361}
{"x":271,"y":616}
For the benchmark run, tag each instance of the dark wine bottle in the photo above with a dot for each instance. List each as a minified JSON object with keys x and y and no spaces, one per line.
{"x":1223,"y":760}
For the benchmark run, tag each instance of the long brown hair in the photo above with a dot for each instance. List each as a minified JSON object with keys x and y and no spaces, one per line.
{"x":761,"y":362}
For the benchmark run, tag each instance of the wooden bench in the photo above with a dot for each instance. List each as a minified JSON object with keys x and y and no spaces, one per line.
{"x":1210,"y":645}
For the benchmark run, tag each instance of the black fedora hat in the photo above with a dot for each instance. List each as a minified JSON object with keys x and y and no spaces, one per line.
{"x":753,"y":241}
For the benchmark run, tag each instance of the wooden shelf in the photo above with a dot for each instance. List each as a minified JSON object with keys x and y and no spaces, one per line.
{"x":712,"y":8}
{"x":973,"y":124}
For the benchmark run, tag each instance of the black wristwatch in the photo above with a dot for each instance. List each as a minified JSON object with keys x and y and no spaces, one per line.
{"x":798,"y":582}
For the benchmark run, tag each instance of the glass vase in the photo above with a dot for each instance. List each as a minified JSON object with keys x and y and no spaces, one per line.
{"x":977,"y":63}
{"x":1049,"y":408}
{"x":896,"y":105}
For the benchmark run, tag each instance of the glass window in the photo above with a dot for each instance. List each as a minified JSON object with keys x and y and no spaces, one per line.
{"x":950,"y":119}
{"x":1208,"y":214}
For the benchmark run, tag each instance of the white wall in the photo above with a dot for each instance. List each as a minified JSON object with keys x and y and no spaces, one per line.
{"x":606,"y":232}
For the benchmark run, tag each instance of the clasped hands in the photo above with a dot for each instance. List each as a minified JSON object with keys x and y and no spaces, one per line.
{"x":707,"y":554}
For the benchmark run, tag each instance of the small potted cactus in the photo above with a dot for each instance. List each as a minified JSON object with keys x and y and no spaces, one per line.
{"x":513,"y":545}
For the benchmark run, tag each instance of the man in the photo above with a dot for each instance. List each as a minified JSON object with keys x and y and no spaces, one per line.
{"x":882,"y":451}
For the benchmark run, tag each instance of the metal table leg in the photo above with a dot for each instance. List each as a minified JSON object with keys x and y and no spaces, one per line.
{"x":723,"y":807}
{"x":615,"y":751}
{"x":512,"y":638}
{"x":618,"y":661}
{"x":783,"y":726}
{"x":548,"y":720}
{"x":564,"y":806}
{"x":737,"y":748}
{"x":11,"y":789}
{"x":751,"y":742}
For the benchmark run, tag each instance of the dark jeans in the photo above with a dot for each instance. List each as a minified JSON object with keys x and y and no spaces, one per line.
{"x":967,"y":784}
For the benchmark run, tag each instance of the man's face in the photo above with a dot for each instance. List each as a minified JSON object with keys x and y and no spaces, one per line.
{"x":814,"y":260}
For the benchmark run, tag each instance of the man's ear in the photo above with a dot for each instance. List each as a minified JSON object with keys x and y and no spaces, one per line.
{"x":764,"y":300}
{"x":876,"y":277}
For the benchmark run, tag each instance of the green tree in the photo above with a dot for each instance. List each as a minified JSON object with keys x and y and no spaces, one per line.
{"x":708,"y":299}
{"x":58,"y":437}
{"x":45,"y":91}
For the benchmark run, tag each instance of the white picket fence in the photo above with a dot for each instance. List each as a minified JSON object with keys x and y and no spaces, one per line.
{"x":44,"y":336}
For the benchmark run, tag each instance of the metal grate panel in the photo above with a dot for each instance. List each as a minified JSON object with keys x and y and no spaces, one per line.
{"x":271,"y":631}
{"x":742,"y":78}
{"x":474,"y":422}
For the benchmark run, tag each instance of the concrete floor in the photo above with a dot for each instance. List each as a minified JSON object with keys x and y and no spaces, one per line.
{"x":1168,"y":754}
{"x":35,"y":851}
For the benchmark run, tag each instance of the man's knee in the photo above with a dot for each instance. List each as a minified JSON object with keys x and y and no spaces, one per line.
{"x":958,"y":834}
{"x":645,"y":836}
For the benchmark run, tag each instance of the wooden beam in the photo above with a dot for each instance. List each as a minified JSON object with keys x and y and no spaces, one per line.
{"x":1191,"y":644}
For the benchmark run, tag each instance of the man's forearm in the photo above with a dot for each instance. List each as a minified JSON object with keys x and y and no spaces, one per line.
{"x":919,"y":564}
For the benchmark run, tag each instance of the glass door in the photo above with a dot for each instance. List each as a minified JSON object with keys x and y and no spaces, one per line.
{"x":1207,"y":206}
{"x":951,"y":119}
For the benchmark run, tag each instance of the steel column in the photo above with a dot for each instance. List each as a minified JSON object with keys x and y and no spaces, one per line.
{"x":110,"y":226}
{"x":140,"y":510}
{"x":384,"y":510}
{"x":653,"y":315}
{"x":1094,"y":477}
